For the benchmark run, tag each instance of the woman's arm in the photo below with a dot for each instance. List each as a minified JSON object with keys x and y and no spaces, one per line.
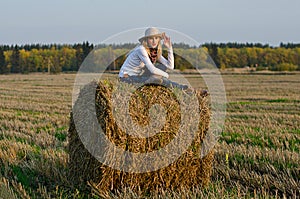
{"x":143,"y":55}
{"x":170,"y":62}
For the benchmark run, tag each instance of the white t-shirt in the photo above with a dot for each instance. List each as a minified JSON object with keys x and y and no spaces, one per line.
{"x":138,"y":59}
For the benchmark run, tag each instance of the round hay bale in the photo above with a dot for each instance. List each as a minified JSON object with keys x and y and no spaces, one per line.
{"x":187,"y":171}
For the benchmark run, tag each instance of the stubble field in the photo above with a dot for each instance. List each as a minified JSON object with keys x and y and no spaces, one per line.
{"x":257,"y":154}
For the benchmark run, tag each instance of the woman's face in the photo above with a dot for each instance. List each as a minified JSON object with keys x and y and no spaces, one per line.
{"x":153,"y":41}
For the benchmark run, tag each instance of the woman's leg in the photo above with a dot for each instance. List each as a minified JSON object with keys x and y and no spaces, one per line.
{"x":153,"y":79}
{"x":147,"y":73}
{"x":148,"y":78}
{"x":134,"y":79}
{"x":168,"y":83}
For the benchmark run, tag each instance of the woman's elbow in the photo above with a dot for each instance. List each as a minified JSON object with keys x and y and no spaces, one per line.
{"x":171,"y":66}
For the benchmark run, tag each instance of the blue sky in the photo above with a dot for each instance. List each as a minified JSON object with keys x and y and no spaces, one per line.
{"x":73,"y":21}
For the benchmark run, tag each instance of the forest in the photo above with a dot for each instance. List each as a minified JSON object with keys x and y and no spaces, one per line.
{"x":56,"y":58}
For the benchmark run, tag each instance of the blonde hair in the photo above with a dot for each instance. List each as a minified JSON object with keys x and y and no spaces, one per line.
{"x":159,"y":47}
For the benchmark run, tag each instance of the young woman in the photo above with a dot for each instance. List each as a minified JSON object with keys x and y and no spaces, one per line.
{"x":145,"y":63}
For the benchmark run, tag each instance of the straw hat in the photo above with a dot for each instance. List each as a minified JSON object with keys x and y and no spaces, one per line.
{"x":151,"y":32}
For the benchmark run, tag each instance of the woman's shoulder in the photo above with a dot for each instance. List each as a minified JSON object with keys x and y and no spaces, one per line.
{"x":140,"y":49}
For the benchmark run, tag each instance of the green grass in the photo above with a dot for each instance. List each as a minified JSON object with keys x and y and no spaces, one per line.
{"x":25,"y":176}
{"x":61,"y":136}
{"x":294,"y":145}
{"x":230,"y":137}
{"x":279,"y":100}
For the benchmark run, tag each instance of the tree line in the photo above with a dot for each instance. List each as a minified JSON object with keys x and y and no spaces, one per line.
{"x":52,"y":58}
{"x":55,"y":58}
{"x":286,"y":57}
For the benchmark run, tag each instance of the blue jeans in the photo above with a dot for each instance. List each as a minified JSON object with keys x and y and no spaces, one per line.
{"x":148,"y":78}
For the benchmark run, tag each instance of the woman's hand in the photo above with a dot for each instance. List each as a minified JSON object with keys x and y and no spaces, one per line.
{"x":167,"y":41}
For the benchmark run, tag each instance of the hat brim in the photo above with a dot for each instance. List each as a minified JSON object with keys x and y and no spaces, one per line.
{"x":142,"y":38}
